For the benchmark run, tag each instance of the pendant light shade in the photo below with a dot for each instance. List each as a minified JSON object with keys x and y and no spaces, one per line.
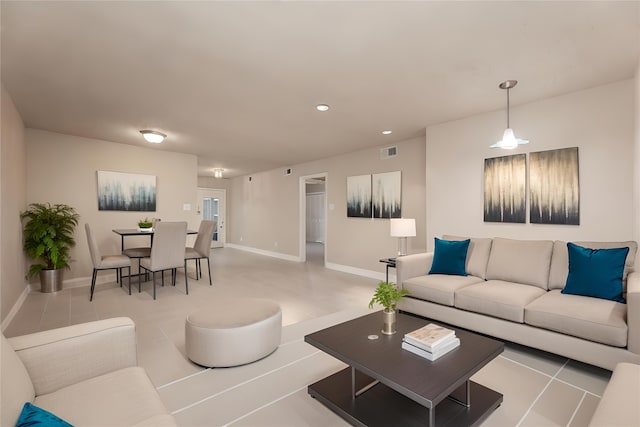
{"x":509,"y":140}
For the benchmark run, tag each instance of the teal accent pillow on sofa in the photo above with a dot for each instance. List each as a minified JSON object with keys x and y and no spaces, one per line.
{"x":596,"y":272}
{"x":31,"y":415}
{"x":450,"y":257}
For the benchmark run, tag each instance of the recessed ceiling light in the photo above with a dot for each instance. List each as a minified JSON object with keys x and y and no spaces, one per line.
{"x":153,"y":136}
{"x":387,"y":132}
{"x":322,"y":107}
{"x":217,"y":173}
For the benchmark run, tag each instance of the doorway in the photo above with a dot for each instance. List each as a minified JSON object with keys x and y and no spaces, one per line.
{"x":313,"y":218}
{"x":212,"y":207}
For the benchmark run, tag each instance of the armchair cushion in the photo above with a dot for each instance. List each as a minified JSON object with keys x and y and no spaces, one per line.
{"x":61,"y":357}
{"x":122,"y":397}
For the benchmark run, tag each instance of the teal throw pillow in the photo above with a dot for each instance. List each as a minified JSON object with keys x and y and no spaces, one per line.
{"x":450,"y":257}
{"x":31,"y":415}
{"x":596,"y":272}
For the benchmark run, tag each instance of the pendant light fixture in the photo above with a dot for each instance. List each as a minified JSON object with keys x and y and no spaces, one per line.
{"x":509,"y":140}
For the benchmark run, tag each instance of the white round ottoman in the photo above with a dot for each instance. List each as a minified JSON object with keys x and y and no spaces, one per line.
{"x":233,"y":332}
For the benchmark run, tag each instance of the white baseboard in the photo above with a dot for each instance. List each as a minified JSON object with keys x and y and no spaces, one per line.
{"x":360,"y":271}
{"x":263,"y":252}
{"x":16,"y":307}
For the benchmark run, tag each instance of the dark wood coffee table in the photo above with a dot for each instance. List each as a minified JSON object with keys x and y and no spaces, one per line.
{"x":385,"y":385}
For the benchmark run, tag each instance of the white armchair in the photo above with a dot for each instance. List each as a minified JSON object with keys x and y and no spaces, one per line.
{"x":85,"y":374}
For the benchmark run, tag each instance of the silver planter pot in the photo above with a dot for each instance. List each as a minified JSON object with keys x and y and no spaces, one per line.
{"x":389,"y":322}
{"x":51,"y":280}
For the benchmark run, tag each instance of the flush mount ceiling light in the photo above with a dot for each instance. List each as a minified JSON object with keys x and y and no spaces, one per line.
{"x":322,"y":107}
{"x":153,"y":136}
{"x":217,"y":173}
{"x":509,"y":140}
{"x":387,"y":132}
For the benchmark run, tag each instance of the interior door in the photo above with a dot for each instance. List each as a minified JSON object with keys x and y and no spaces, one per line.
{"x":212,"y":207}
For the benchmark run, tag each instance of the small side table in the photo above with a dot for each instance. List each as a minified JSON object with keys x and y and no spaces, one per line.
{"x":391,"y":263}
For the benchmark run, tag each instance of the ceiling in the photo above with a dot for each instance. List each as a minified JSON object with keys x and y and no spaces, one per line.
{"x":236,"y":83}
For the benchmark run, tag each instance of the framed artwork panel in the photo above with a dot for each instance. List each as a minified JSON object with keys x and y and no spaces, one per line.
{"x":359,"y":196}
{"x":554,"y":187}
{"x":505,"y":182}
{"x":119,"y":191}
{"x":387,"y":192}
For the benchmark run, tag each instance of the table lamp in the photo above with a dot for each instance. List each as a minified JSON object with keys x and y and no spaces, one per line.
{"x":402,"y":228}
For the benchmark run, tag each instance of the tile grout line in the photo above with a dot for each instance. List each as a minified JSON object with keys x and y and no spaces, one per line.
{"x":540,"y":395}
{"x":576,"y":410}
{"x":552,"y":377}
{"x":208,"y":369}
{"x":177,"y":411}
{"x":265,"y":405}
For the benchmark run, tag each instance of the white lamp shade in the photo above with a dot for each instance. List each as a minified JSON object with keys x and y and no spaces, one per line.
{"x":403,"y":227}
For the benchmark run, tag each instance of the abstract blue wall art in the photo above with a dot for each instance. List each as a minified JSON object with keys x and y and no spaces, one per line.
{"x":118,"y":191}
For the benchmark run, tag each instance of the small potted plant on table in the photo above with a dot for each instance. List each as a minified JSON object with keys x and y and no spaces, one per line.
{"x":145,"y":225}
{"x":388,"y":295}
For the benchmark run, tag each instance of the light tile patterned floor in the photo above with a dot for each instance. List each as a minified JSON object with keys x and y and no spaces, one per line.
{"x":540,"y":389}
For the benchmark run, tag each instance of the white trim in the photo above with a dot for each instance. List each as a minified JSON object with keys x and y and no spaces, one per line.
{"x":16,"y":307}
{"x":264,"y":252}
{"x":360,"y":271}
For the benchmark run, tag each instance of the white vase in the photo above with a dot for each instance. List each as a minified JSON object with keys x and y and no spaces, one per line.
{"x":389,"y":322}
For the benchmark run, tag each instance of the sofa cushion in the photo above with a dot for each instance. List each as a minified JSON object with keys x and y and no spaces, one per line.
{"x":497,"y":298}
{"x":592,"y":319}
{"x":521,"y":261}
{"x":477,"y":255}
{"x":596,"y":272}
{"x":17,"y":387}
{"x":33,"y":416}
{"x":560,"y":260}
{"x":123,"y":397}
{"x":450,"y":257}
{"x":438,"y":288}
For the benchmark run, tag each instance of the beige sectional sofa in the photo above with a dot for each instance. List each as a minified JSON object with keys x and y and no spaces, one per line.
{"x":513,"y":292}
{"x":85,"y":374}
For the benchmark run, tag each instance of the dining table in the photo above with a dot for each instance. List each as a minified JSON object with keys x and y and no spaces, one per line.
{"x":125,"y":232}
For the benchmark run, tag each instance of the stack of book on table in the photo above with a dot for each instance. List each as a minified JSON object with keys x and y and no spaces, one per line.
{"x":430,"y":341}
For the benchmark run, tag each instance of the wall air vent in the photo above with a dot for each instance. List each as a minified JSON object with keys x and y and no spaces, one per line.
{"x":388,"y":152}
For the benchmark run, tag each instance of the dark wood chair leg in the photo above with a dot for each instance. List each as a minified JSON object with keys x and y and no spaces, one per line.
{"x":209,"y":266}
{"x":154,"y":284}
{"x":186,"y":278}
{"x":93,"y":283}
{"x":129,"y":269}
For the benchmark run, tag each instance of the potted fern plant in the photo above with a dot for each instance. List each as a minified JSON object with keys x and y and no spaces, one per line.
{"x":48,"y":237}
{"x":388,"y":295}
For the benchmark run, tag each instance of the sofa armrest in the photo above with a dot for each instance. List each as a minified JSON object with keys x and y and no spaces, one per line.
{"x":619,"y":403}
{"x":633,"y":312}
{"x":64,"y":356}
{"x":415,"y":265}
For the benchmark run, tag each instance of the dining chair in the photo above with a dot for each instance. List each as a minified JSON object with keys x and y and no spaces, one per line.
{"x":202,"y":247}
{"x":105,"y":262}
{"x":167,"y":252}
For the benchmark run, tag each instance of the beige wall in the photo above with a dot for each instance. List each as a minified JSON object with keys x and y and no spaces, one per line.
{"x":636,"y":162}
{"x":13,"y":201}
{"x":62,"y":169}
{"x":600,"y":121}
{"x":264,"y":212}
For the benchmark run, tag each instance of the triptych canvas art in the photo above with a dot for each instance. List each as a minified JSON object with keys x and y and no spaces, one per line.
{"x":554,"y":188}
